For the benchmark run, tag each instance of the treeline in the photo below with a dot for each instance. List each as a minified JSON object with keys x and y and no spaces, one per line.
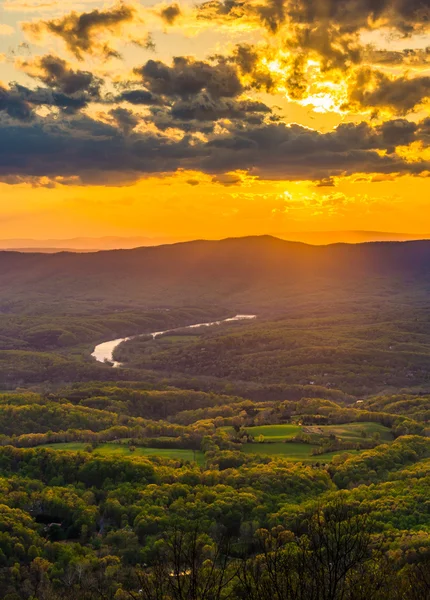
{"x":375,"y":465}
{"x":91,"y":526}
{"x":415,"y":407}
{"x":51,"y":332}
{"x":334,"y":554}
{"x":170,"y":418}
{"x":360,"y":353}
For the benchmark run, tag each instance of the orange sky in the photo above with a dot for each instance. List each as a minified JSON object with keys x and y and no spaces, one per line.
{"x":276,"y":116}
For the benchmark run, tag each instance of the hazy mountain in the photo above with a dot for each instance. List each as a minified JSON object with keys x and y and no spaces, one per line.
{"x":85,"y":244}
{"x":350,"y":237}
{"x":252,"y":273}
{"x":82,"y":244}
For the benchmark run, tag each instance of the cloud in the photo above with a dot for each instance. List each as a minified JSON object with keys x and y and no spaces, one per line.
{"x":47,"y":97}
{"x":57,"y":74}
{"x":125,"y":119}
{"x":204,"y":108}
{"x":374,"y":89}
{"x":81,"y":32}
{"x":293,"y":152}
{"x":349,"y":16}
{"x":410,"y":57}
{"x":187,"y":77}
{"x":170,"y":13}
{"x":326,"y":182}
{"x":139,"y":96}
{"x":90,"y":150}
{"x":326,"y":30}
{"x":14,"y":105}
{"x":353,"y":15}
{"x":270,"y":13}
{"x":227,"y":179}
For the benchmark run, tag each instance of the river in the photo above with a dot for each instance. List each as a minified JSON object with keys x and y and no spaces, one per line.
{"x":104,"y":352}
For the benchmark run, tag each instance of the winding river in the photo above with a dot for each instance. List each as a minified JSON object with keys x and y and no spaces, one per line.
{"x":104,"y":352}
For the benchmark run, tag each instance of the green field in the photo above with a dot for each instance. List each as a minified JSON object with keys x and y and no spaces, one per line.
{"x":292,"y":451}
{"x":123,"y":450}
{"x":350,"y":432}
{"x":274,"y":432}
{"x":353,"y":431}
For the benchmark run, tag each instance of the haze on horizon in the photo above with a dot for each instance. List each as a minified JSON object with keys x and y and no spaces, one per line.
{"x":183,"y":120}
{"x":89,"y":244}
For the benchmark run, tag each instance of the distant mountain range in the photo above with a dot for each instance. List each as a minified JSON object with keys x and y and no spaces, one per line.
{"x":253,"y":273}
{"x":88,"y":244}
{"x":83,"y":244}
{"x":350,"y":237}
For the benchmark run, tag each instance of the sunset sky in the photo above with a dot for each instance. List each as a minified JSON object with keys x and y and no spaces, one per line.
{"x":213,"y":119}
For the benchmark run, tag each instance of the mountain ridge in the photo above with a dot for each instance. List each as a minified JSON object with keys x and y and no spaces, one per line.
{"x":253,"y":268}
{"x":85,"y":244}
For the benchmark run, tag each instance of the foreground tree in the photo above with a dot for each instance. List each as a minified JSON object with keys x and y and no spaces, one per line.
{"x":321,"y":564}
{"x":188,"y":566}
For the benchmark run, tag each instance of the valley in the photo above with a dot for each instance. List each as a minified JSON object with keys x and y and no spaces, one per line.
{"x":224,"y":437}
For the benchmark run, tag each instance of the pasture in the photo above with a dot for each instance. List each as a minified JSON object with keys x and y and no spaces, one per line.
{"x":124,"y":450}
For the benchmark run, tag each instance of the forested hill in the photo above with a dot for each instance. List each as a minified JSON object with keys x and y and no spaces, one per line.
{"x":252,"y":271}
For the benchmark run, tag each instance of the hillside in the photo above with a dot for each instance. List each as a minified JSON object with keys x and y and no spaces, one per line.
{"x":261,"y":272}
{"x":92,"y":244}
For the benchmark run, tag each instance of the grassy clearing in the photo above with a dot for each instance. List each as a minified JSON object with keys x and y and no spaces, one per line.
{"x":292,"y":451}
{"x":353,"y":431}
{"x":274,"y":432}
{"x":123,"y":450}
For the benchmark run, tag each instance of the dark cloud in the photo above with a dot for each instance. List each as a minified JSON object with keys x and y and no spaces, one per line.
{"x":14,"y":105}
{"x":281,"y":152}
{"x":247,"y":59}
{"x":337,"y":50}
{"x":56,"y":73}
{"x":408,"y":57}
{"x":329,"y":28}
{"x":326,"y":182}
{"x":349,"y":15}
{"x":47,"y":97}
{"x":140,"y":96}
{"x":375,"y":89}
{"x":163,"y":120}
{"x":353,"y":15}
{"x":226,"y":10}
{"x":80,"y":31}
{"x":19,"y":101}
{"x":399,"y":132}
{"x":227,"y":179}
{"x":92,"y":150}
{"x":187,"y":77}
{"x":272,"y":14}
{"x":204,"y":108}
{"x":125,"y":119}
{"x":170,"y":13}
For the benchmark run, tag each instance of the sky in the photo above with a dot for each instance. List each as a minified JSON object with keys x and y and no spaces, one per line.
{"x":213,"y":119}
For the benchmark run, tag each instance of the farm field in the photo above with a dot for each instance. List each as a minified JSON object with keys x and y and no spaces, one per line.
{"x":347,"y":431}
{"x":124,"y":451}
{"x":292,"y":451}
{"x":354,"y":431}
{"x":274,"y":432}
